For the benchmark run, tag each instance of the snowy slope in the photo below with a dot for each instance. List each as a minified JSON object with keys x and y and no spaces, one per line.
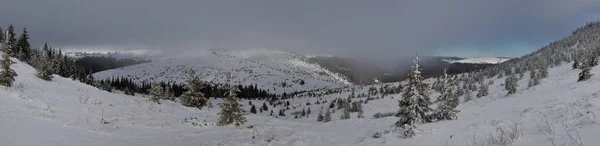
{"x":65,"y":112}
{"x":480,"y":60}
{"x":269,"y":69}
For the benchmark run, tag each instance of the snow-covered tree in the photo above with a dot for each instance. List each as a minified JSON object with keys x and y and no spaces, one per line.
{"x":264,"y":106}
{"x":156,"y":93}
{"x":231,"y":111}
{"x":585,"y":73}
{"x":414,"y":106}
{"x":483,"y":90}
{"x":510,"y":84}
{"x":360,"y":111}
{"x":194,"y":97}
{"x":345,"y":113}
{"x":449,"y":101}
{"x":7,"y":75}
{"x":534,"y":79}
{"x":24,"y":47}
{"x":253,"y":109}
{"x":320,"y":116}
{"x":327,"y":116}
{"x":43,"y":66}
{"x":10,"y":42}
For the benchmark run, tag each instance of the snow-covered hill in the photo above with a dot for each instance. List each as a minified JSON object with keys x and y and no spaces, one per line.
{"x":480,"y":60}
{"x":272,"y":70}
{"x":68,"y":113}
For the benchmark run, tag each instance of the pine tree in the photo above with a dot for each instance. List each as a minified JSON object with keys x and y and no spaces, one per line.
{"x":468,"y":96}
{"x":414,"y":106}
{"x":308,"y":112}
{"x":303,"y":112}
{"x":543,"y":73}
{"x":264,"y":106}
{"x":168,"y":94}
{"x":511,"y":84}
{"x":345,"y":113}
{"x":24,"y":47}
{"x":483,"y":90}
{"x":43,"y":66}
{"x":2,"y":37}
{"x":360,"y":111}
{"x":194,"y":97}
{"x":253,"y":109}
{"x":320,"y":116}
{"x":7,"y":75}
{"x":447,"y":107}
{"x":533,"y":79}
{"x":156,"y":93}
{"x":10,"y":44}
{"x":585,"y":73}
{"x":231,"y":111}
{"x":575,"y":64}
{"x":327,"y":116}
{"x":281,"y":112}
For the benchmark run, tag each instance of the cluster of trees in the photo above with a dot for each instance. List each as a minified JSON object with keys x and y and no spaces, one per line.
{"x":46,"y":60}
{"x":414,"y":107}
{"x":177,"y":89}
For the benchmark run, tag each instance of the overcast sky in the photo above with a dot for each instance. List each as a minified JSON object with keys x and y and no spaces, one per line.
{"x":387,"y":28}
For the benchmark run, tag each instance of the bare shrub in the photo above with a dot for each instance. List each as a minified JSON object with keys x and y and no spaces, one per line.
{"x":505,"y":136}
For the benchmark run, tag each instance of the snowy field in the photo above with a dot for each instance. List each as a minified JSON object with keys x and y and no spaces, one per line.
{"x":68,"y":113}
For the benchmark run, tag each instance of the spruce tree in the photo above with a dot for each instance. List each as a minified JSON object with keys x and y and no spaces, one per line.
{"x":2,"y":37}
{"x":345,"y":114}
{"x":414,"y":106}
{"x":360,"y":111}
{"x":320,"y":116}
{"x":24,"y":47}
{"x":10,"y":45}
{"x":303,"y":112}
{"x":156,"y":93}
{"x":43,"y":66}
{"x":253,"y":109}
{"x":585,"y":72}
{"x":327,"y":116}
{"x":534,"y":80}
{"x":231,"y":111}
{"x":510,"y":84}
{"x":483,"y":90}
{"x":7,"y":75}
{"x":194,"y":97}
{"x":264,"y":106}
{"x":447,"y":107}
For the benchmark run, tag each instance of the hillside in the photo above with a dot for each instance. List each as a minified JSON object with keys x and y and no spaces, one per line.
{"x":271,"y":70}
{"x":66,"y":112}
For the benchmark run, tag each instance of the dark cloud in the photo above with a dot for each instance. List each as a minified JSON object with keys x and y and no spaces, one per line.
{"x":385,"y":28}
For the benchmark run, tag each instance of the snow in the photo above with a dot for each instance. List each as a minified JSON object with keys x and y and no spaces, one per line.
{"x":480,"y":60}
{"x":264,"y":67}
{"x":68,"y":113}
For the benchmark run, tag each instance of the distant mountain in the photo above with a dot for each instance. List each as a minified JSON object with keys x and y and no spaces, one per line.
{"x":271,"y":70}
{"x":477,"y":60}
{"x":366,"y":72}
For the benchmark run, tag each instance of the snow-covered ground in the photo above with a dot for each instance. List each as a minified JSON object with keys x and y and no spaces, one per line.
{"x":65,"y":112}
{"x":269,"y":69}
{"x":480,"y":60}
